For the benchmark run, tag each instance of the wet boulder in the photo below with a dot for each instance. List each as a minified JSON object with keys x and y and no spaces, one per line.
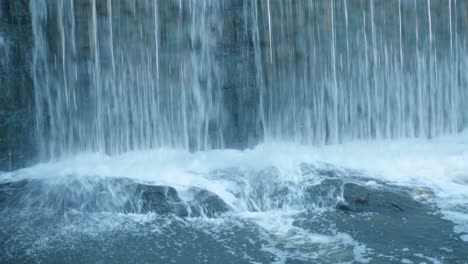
{"x":359,"y":198}
{"x":206,"y":203}
{"x":59,"y":195}
{"x":9,"y":192}
{"x":97,"y":194}
{"x":324,"y":194}
{"x":161,"y":200}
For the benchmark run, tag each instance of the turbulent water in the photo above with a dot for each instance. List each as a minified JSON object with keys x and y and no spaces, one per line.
{"x":243,"y":131}
{"x":282,"y":202}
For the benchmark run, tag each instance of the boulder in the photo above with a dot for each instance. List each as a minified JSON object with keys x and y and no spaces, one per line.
{"x":95,"y":194}
{"x":360,"y":198}
{"x":206,"y":203}
{"x":9,"y":192}
{"x":161,"y":200}
{"x":323,"y":194}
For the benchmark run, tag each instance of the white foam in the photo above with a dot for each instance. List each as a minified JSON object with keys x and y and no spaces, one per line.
{"x":440,"y":164}
{"x":299,"y":243}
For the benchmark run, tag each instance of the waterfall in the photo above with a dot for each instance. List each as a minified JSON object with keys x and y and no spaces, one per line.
{"x":347,"y":70}
{"x":233,"y":131}
{"x":115,"y":76}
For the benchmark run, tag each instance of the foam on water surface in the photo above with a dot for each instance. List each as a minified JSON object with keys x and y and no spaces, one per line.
{"x":435,"y":170}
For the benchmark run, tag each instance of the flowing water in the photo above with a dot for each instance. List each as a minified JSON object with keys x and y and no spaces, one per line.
{"x":244,"y":131}
{"x":115,"y":76}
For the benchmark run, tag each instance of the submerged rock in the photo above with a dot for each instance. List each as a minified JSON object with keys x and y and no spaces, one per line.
{"x":343,"y":207}
{"x":8,"y":192}
{"x":422,"y":194}
{"x":95,"y":194}
{"x":364,"y":199}
{"x":160,"y":199}
{"x":206,"y":203}
{"x":323,"y":195}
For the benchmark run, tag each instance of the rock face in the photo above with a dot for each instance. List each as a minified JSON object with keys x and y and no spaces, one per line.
{"x":56,"y":196}
{"x":16,"y":86}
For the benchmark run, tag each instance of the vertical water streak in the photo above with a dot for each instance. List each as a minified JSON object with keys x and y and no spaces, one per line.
{"x":269,"y":30}
{"x":430,"y":19}
{"x":345,"y":2}
{"x":335,"y":122}
{"x":39,"y":73}
{"x":111,"y":37}
{"x":156,"y":36}
{"x":400,"y":32}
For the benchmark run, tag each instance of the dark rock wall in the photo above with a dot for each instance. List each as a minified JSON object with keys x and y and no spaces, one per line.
{"x":16,"y":86}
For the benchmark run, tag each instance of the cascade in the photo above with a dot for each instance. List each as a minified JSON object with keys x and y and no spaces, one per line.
{"x":233,"y":131}
{"x":397,"y":76}
{"x":113,"y":76}
{"x":123,"y":75}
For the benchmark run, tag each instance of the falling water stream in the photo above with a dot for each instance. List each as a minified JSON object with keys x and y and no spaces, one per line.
{"x":120,"y":76}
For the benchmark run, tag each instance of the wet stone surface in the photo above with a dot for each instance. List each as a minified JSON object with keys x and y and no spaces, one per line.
{"x":330,"y":216}
{"x":57,"y":196}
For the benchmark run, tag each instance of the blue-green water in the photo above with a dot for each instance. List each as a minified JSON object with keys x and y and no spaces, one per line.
{"x":276,"y":203}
